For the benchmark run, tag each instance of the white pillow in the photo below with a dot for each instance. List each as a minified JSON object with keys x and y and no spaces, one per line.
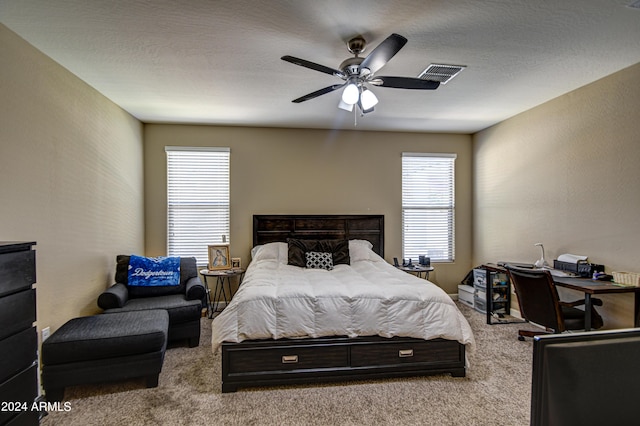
{"x":271,"y":251}
{"x":255,"y":250}
{"x":360,"y":250}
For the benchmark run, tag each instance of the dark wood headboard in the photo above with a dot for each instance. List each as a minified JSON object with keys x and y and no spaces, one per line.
{"x":275,"y":228}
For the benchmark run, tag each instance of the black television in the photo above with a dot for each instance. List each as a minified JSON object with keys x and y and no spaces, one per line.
{"x":587,"y":378}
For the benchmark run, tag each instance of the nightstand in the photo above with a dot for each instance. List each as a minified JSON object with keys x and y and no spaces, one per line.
{"x":420,"y":271}
{"x":221,"y":276}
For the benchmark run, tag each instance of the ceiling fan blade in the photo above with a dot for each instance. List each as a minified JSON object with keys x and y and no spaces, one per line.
{"x":405,"y":83}
{"x":313,"y":66}
{"x":318,"y":93}
{"x":382,"y":53}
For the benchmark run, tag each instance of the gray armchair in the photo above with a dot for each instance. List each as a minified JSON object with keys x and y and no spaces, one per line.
{"x":183,"y":302}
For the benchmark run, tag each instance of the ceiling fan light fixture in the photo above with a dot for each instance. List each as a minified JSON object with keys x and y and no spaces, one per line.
{"x":345,"y":106}
{"x":351,"y":94}
{"x":365,"y":111}
{"x":368,"y":99}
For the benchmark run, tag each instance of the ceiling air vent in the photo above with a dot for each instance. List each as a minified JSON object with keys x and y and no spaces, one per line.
{"x":440,"y":72}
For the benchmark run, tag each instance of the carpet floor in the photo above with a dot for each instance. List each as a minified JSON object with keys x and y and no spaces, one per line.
{"x":496,"y":391}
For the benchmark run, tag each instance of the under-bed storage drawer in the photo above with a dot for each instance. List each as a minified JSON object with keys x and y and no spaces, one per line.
{"x":278,"y":362}
{"x":294,"y":357}
{"x":409,"y":352}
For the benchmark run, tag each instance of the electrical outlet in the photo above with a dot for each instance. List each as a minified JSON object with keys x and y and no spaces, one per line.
{"x":46,"y":332}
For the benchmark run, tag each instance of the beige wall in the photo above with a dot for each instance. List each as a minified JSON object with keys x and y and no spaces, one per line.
{"x":71,"y":179}
{"x":565,"y":174}
{"x":289,"y":171}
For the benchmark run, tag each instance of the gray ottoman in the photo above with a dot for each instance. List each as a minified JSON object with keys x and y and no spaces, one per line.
{"x":102,"y":348}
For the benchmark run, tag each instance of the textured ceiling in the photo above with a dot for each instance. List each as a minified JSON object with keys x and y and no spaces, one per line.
{"x":218,"y":62}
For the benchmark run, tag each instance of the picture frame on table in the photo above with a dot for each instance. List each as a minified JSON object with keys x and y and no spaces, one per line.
{"x":236,"y":263}
{"x":219,"y":258}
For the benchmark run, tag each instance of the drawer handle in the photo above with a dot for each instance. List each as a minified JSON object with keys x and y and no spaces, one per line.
{"x":405,"y":353}
{"x":289,"y":359}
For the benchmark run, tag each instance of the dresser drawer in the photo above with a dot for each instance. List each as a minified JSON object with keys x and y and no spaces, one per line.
{"x":409,"y":352}
{"x":288,"y":358}
{"x":25,"y":418}
{"x":19,"y":390}
{"x":17,"y":271}
{"x":17,"y":312}
{"x":18,"y":352}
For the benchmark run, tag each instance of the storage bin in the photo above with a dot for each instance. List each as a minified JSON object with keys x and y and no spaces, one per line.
{"x":480,"y":305}
{"x":465,"y":294}
{"x":480,"y":278}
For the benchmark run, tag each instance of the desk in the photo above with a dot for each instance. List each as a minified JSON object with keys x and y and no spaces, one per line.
{"x":590,"y":287}
{"x":221,"y":277}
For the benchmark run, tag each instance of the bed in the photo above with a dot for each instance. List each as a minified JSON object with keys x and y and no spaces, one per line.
{"x":361,"y":319}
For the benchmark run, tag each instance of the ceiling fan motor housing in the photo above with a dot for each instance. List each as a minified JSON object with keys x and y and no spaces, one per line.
{"x":351,"y":66}
{"x":356,"y":45}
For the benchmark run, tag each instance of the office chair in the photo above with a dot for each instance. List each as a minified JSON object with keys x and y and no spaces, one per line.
{"x":540,"y":304}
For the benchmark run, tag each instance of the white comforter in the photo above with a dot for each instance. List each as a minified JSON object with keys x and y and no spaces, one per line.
{"x":368,"y":297}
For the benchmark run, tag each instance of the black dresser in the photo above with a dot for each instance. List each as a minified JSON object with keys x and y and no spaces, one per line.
{"x":18,"y":336}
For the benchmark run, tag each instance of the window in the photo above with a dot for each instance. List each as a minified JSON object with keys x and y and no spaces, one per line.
{"x":197,"y":200}
{"x":428,"y":206}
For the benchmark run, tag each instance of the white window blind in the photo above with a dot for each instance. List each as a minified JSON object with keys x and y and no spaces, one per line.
{"x":428,"y":206}
{"x":197,"y":200}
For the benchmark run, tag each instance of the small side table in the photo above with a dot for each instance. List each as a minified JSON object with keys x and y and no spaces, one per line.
{"x":221,"y":276}
{"x":419,"y":270}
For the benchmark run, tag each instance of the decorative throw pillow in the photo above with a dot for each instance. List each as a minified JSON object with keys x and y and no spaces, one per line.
{"x":297,"y":248}
{"x":319,"y":260}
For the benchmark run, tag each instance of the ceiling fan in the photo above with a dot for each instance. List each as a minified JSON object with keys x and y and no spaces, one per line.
{"x":358,"y":73}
